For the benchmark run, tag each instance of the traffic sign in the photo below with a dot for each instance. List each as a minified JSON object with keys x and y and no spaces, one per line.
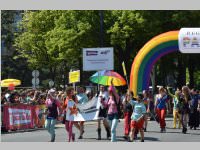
{"x":35,"y":73}
{"x":35,"y":81}
{"x":51,"y":83}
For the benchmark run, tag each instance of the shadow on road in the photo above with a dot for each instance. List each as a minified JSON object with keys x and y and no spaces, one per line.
{"x":175,"y":132}
{"x":120,"y":138}
{"x":92,"y":139}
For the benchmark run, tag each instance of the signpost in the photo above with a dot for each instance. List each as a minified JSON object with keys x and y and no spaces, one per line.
{"x":51,"y":83}
{"x":35,"y":80}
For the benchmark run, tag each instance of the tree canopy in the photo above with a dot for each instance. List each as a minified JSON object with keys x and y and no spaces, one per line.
{"x":53,"y":39}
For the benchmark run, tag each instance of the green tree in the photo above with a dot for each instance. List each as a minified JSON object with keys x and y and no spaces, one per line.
{"x":53,"y":37}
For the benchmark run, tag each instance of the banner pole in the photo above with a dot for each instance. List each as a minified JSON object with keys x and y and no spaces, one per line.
{"x":125,"y":74}
{"x":98,"y":81}
{"x":127,"y":82}
{"x":74,"y":86}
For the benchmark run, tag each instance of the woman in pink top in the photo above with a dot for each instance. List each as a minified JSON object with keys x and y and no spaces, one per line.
{"x":52,"y":105}
{"x":113,"y":116}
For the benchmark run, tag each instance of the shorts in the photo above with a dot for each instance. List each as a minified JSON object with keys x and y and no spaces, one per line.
{"x":137,"y":125}
{"x":113,"y":116}
{"x":102,"y":112}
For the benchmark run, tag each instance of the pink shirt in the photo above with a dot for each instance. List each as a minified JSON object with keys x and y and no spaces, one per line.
{"x":112,"y":107}
{"x":50,"y":102}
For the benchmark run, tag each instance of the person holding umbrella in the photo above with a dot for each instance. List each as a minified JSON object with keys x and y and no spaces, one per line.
{"x":113,"y":111}
{"x":107,"y":78}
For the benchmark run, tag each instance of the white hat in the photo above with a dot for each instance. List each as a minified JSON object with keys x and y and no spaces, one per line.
{"x":51,"y":91}
{"x":7,"y":95}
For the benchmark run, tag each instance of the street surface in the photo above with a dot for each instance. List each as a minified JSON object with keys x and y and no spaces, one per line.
{"x":152,"y":135}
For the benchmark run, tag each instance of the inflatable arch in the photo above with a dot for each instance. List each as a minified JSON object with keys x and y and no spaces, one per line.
{"x":152,"y":51}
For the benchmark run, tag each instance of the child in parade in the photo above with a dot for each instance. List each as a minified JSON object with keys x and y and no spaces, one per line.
{"x":111,"y":104}
{"x":128,"y":110}
{"x":146,"y":101}
{"x":162,"y":105}
{"x":137,"y":118}
{"x":52,"y":105}
{"x":176,"y":109}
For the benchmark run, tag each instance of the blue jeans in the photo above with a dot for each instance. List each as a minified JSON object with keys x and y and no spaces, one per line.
{"x":50,"y":126}
{"x":113,"y":125}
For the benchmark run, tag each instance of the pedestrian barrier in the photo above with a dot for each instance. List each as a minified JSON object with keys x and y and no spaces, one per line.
{"x":22,"y":116}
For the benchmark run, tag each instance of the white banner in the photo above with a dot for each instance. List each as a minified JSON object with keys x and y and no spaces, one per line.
{"x":98,"y":59}
{"x":85,"y":112}
{"x":189,"y":40}
{"x":19,"y":116}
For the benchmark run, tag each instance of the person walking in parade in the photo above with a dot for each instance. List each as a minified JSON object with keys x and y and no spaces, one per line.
{"x":71,"y":110}
{"x":146,"y":101}
{"x":52,"y":105}
{"x":82,"y":99}
{"x":185,"y":100}
{"x":113,"y":115}
{"x":176,"y":108}
{"x":162,"y":105}
{"x":137,"y":118}
{"x":194,"y":114}
{"x":103,"y":94}
{"x":128,"y":110}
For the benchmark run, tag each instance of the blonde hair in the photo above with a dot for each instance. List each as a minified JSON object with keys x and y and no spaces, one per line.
{"x":186,"y":92}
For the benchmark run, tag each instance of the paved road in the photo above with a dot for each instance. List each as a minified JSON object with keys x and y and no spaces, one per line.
{"x":152,"y":135}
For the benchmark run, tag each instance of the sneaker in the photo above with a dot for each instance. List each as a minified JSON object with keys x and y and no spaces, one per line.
{"x":80,"y":137}
{"x":184,"y":130}
{"x":53,"y":138}
{"x":130,"y":140}
{"x":125,"y":137}
{"x":161,"y":130}
{"x":142,"y":140}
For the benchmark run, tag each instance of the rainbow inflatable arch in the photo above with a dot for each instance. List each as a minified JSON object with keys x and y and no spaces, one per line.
{"x":152,"y":51}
